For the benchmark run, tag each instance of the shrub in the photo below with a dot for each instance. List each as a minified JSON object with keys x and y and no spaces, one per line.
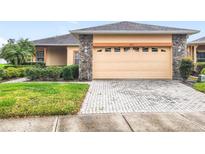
{"x":54,"y":72}
{"x":186,"y":67}
{"x":33,"y":73}
{"x":199,"y":67}
{"x":1,"y":73}
{"x":203,"y":71}
{"x":42,"y":64}
{"x":75,"y":71}
{"x":48,"y":73}
{"x":22,"y":71}
{"x":67,"y":73}
{"x":32,"y":64}
{"x":10,"y":72}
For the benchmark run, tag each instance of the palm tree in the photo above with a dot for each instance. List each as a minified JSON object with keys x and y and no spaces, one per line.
{"x":17,"y":53}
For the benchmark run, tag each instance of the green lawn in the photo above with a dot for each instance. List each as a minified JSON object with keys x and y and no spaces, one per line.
{"x":200,"y":86}
{"x":2,"y":65}
{"x":30,"y":99}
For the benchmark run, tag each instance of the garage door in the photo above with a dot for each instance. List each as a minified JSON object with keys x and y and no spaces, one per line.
{"x":132,"y":63}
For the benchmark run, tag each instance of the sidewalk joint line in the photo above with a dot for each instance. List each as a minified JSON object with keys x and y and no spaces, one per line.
{"x":127,"y":122}
{"x":56,"y":124}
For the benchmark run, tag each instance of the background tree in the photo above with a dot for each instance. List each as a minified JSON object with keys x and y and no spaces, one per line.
{"x":17,"y":52}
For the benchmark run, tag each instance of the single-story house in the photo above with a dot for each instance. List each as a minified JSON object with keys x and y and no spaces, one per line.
{"x":196,"y":50}
{"x":122,"y":50}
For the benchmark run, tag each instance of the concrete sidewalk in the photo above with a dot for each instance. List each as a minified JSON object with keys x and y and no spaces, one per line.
{"x":138,"y":122}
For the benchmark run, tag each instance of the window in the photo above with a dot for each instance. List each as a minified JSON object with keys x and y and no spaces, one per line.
{"x":39,"y":56}
{"x":76,"y":57}
{"x":107,"y":49}
{"x":99,"y":50}
{"x":154,"y":49}
{"x":145,"y":49}
{"x":163,"y":50}
{"x":117,"y":49}
{"x":136,"y":49}
{"x":126,"y":49}
{"x":200,"y":56}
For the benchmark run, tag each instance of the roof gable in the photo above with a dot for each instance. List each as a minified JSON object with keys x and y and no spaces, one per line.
{"x":133,"y":28}
{"x":61,"y":40}
{"x":198,"y":41}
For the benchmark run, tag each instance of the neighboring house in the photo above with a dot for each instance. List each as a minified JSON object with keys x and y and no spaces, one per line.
{"x":196,"y":50}
{"x":123,"y":50}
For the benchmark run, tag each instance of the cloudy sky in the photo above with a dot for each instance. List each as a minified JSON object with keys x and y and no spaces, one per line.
{"x":38,"y":29}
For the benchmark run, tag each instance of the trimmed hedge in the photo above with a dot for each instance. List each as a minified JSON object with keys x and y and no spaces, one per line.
{"x":53,"y":73}
{"x":1,"y":73}
{"x":71,"y":72}
{"x":39,"y":73}
{"x":32,"y":64}
{"x":67,"y":73}
{"x":75,"y":71}
{"x":186,"y":68}
{"x":12,"y":72}
{"x":45,"y":74}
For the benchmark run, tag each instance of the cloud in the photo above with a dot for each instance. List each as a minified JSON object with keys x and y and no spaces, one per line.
{"x":2,"y":41}
{"x":74,"y":22}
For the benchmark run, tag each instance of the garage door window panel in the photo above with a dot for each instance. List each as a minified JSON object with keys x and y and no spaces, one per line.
{"x":99,"y":50}
{"x":136,"y":49}
{"x":126,"y":49}
{"x":117,"y":49}
{"x":145,"y":49}
{"x":108,"y":49}
{"x":154,"y":49}
{"x":163,"y":50}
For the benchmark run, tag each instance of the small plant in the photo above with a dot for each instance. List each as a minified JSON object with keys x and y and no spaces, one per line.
{"x":185,"y":68}
{"x":199,"y":67}
{"x":67,"y":73}
{"x":203,"y":71}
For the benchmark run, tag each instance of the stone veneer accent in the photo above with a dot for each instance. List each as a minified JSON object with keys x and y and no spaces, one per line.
{"x":179,"y":51}
{"x":85,"y":66}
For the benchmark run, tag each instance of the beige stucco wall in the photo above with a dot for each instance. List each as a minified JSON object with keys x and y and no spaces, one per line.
{"x":56,"y":56}
{"x":102,"y":38}
{"x":70,"y":54}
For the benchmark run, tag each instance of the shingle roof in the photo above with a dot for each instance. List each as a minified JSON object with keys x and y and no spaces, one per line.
{"x":198,"y":41}
{"x":132,"y":28}
{"x":61,"y":40}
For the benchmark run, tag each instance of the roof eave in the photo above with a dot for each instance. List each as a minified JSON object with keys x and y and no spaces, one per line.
{"x":196,"y":43}
{"x":56,"y":44}
{"x":136,"y":32}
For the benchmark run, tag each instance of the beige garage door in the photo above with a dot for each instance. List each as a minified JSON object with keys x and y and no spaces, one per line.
{"x":132,"y":63}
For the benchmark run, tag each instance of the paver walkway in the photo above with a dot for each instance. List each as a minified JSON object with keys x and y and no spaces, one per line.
{"x":17,"y":80}
{"x":124,"y":96}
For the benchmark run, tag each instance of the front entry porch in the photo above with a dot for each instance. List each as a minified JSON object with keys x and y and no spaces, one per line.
{"x":57,"y":55}
{"x":197,"y":52}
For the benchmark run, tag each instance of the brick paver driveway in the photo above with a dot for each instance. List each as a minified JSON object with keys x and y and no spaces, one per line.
{"x":121,"y":96}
